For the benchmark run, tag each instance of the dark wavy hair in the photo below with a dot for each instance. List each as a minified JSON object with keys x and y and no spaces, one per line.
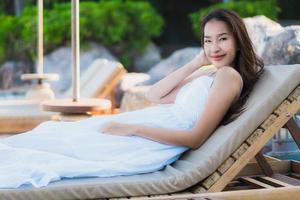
{"x":247,"y":63}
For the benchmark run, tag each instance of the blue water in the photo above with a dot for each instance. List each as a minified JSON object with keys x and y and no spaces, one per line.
{"x":288,"y":156}
{"x":288,"y":150}
{"x":7,"y":95}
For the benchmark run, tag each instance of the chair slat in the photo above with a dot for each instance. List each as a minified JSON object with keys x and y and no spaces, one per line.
{"x":282,"y":107}
{"x":255,"y":182}
{"x":240,"y":151}
{"x":275,"y":181}
{"x":268,"y":122}
{"x":226,"y":165}
{"x":287,"y":179}
{"x":254,"y":136}
{"x":208,"y":182}
{"x":295,"y":95}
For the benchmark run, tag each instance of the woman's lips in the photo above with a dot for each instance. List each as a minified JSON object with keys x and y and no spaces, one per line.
{"x":217,"y":58}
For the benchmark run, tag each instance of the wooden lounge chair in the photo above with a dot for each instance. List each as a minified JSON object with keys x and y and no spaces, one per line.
{"x":264,"y":171}
{"x":209,"y":169}
{"x":250,"y":168}
{"x":99,"y":80}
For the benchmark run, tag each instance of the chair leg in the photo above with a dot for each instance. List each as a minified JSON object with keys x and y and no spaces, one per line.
{"x":263,"y":164}
{"x":294,"y":130}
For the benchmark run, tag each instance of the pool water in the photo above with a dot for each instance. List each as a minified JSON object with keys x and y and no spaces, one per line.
{"x":11,"y":95}
{"x":287,"y":155}
{"x":285,"y":149}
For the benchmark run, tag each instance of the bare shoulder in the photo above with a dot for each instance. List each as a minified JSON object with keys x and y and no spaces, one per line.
{"x":229,"y":72}
{"x":230,"y":76}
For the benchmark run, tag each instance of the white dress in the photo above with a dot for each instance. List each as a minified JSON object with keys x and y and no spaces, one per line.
{"x":57,"y":150}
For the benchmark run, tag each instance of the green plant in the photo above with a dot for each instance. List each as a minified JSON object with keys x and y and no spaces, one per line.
{"x":245,"y":8}
{"x":9,"y":35}
{"x":57,"y":26}
{"x":123,"y":26}
{"x":5,"y":28}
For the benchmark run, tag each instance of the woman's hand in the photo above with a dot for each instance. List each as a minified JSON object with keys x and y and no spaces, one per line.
{"x":199,"y":60}
{"x":116,"y":128}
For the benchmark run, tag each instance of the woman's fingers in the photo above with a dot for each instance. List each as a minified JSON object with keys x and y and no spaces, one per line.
{"x":106,"y":127}
{"x":116,"y":128}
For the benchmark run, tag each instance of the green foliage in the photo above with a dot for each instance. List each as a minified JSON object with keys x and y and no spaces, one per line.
{"x":123,"y":26}
{"x":57,"y":26}
{"x":245,"y":8}
{"x":8,"y":32}
{"x":6,"y":25}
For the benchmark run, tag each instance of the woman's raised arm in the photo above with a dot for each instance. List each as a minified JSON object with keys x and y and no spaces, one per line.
{"x":163,"y":87}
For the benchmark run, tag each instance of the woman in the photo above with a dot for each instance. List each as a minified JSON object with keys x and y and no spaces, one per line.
{"x":192,"y":103}
{"x":228,"y":47}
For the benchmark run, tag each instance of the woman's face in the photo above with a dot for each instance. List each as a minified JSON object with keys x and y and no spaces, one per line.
{"x":219,"y":44}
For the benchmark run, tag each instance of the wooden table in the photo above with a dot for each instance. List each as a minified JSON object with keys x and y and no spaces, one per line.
{"x":75,"y":110}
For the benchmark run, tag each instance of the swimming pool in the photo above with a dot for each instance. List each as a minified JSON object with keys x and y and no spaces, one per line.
{"x":293,"y":155}
{"x":283,"y":147}
{"x":7,"y":95}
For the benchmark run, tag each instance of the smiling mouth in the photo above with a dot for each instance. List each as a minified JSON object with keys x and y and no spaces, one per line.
{"x":217,"y":58}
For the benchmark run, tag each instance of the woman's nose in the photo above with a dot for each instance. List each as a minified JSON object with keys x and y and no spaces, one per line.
{"x":215,"y":47}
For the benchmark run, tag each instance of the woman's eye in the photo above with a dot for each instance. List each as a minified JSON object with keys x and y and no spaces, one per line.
{"x":206,"y":41}
{"x":223,"y":39}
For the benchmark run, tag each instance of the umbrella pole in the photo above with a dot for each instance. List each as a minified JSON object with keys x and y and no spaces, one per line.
{"x":75,"y":50}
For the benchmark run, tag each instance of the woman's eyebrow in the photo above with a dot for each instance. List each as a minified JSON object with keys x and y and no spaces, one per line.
{"x":221,"y":34}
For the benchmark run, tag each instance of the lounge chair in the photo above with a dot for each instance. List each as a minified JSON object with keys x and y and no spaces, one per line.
{"x":271,"y":105}
{"x":99,"y":80}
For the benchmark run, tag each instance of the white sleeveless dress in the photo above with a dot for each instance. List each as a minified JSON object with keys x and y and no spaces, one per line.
{"x":57,"y":150}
